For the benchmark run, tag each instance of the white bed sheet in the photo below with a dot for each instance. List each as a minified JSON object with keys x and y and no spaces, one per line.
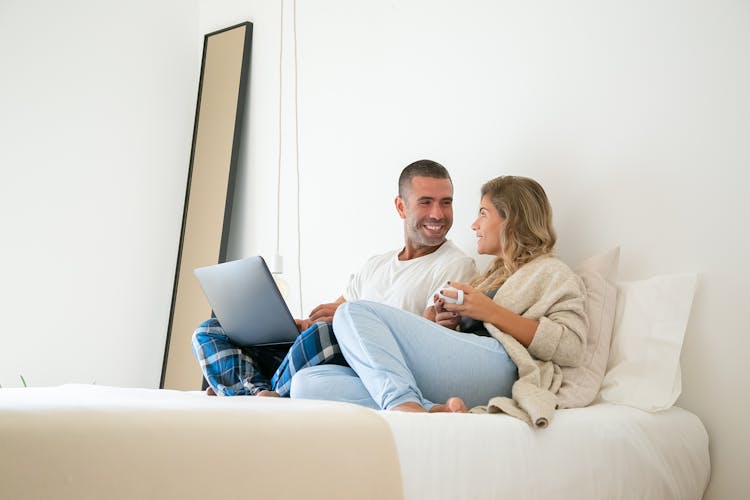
{"x":603,"y":451}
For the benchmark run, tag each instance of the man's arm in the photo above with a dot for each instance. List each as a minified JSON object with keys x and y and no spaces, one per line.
{"x":324,"y":312}
{"x":437,"y":314}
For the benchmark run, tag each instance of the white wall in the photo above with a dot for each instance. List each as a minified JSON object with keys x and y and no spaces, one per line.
{"x":254,"y":216}
{"x":634,"y":115}
{"x":97,"y":101}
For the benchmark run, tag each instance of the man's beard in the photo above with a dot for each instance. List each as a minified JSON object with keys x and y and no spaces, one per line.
{"x":420,"y":235}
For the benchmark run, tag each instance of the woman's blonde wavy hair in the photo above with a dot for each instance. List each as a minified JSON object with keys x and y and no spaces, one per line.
{"x":528,"y":232}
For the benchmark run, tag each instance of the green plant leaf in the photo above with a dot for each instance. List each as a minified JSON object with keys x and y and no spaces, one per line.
{"x":23,"y":380}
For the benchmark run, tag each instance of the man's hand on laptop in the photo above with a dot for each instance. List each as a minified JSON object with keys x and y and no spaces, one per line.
{"x":303,"y":324}
{"x":324,"y":312}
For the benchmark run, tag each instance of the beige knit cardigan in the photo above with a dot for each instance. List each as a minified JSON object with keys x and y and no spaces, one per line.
{"x":548,"y":291}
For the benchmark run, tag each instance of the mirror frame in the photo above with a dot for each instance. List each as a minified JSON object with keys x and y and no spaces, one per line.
{"x":217,"y":130}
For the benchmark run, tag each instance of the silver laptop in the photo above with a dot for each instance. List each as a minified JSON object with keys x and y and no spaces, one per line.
{"x":247,"y":302}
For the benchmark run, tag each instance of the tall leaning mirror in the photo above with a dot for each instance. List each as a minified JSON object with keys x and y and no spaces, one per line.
{"x":208,"y":201}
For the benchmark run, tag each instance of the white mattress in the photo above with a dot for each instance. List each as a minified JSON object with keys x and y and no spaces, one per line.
{"x":603,"y":451}
{"x":79,"y":441}
{"x":94,"y":443}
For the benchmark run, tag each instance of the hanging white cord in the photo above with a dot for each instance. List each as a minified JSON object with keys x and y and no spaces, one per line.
{"x":296,"y":156}
{"x":278,"y":170}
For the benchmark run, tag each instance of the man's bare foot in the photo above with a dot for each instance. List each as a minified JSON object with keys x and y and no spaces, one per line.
{"x":268,"y":394}
{"x":453,"y":405}
{"x":409,"y":407}
{"x":210,"y":392}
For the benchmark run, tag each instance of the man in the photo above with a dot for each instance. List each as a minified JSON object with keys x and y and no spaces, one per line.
{"x":404,"y":278}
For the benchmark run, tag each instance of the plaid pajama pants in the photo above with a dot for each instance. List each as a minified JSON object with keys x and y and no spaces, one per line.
{"x":234,"y":371}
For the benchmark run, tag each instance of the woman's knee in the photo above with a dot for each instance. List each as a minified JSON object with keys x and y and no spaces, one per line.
{"x":343,"y":318}
{"x":342,"y":312}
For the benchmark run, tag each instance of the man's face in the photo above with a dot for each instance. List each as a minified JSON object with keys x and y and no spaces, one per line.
{"x":427,"y":211}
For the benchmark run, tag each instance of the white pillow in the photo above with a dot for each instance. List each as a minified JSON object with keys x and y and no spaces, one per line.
{"x":644,"y":362}
{"x":581,"y":384}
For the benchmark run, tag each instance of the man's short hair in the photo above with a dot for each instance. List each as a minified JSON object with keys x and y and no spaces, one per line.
{"x":420,"y":168}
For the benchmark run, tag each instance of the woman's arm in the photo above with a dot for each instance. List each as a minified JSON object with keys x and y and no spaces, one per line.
{"x":559,"y":332}
{"x":520,"y":328}
{"x":479,"y":306}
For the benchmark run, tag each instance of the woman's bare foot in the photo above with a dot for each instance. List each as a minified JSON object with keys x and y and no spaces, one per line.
{"x":268,"y":394}
{"x":453,"y":405}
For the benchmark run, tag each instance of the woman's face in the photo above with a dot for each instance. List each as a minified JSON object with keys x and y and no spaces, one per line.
{"x":488,"y":226}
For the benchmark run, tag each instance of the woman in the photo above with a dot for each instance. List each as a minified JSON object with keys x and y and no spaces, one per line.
{"x":527,"y":297}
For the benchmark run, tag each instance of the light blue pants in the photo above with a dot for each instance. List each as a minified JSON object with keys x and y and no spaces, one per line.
{"x":398,"y":357}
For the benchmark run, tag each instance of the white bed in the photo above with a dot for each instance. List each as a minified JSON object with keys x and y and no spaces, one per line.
{"x":91,"y":442}
{"x":80,"y":442}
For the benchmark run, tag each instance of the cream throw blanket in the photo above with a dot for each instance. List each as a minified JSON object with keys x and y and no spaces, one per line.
{"x":548,"y":291}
